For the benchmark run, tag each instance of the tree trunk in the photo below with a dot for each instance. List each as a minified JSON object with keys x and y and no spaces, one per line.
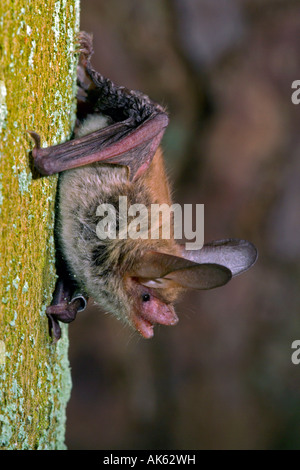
{"x":37,"y":92}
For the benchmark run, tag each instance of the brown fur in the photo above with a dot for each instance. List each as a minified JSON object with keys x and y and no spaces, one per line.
{"x":106,"y":277}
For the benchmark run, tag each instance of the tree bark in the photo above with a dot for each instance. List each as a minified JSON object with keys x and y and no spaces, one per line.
{"x":37,"y":92}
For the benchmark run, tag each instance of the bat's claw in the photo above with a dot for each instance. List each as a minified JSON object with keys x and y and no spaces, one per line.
{"x":54,"y":328}
{"x":36,"y":138}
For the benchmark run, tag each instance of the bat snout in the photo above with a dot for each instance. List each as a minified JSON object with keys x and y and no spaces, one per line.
{"x":151,"y":313}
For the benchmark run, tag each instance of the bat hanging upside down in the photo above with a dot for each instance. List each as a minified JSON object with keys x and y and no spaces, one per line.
{"x":115,"y":152}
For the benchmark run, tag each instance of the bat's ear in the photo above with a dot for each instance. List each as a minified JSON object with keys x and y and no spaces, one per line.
{"x":161,"y":270}
{"x":236,"y":255}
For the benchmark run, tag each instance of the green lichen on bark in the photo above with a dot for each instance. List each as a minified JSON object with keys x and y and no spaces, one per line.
{"x":37,"y":92}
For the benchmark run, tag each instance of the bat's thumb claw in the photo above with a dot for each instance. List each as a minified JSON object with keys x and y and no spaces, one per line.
{"x":85,"y":47}
{"x":36,"y":138}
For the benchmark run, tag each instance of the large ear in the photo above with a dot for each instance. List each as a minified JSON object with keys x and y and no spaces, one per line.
{"x":161,"y":270}
{"x":236,"y":255}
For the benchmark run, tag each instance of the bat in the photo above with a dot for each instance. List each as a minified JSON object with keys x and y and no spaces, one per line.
{"x":116,"y":151}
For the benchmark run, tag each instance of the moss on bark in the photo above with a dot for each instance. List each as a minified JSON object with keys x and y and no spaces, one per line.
{"x":37,"y":92}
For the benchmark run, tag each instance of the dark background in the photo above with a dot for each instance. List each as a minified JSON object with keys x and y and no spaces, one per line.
{"x":223,"y":377}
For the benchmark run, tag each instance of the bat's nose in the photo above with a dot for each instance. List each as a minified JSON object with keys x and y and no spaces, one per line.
{"x":157,"y":311}
{"x":153,"y":312}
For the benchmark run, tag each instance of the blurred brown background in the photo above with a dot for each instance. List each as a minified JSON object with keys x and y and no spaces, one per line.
{"x":223,"y":377}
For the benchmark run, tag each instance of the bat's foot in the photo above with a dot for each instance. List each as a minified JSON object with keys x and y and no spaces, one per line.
{"x":85,"y":47}
{"x":64,"y":312}
{"x":65,"y":305}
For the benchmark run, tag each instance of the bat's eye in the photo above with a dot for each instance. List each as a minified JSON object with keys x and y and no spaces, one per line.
{"x":146,"y":297}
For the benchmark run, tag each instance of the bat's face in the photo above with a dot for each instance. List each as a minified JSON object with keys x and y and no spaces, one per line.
{"x":149,"y":306}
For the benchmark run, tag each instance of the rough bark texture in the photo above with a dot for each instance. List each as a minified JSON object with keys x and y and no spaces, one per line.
{"x":37,"y":91}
